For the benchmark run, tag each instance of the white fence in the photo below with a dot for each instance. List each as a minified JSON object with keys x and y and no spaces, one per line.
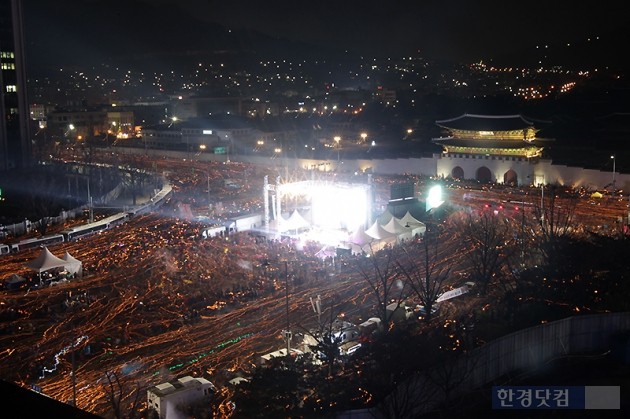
{"x":26,"y":226}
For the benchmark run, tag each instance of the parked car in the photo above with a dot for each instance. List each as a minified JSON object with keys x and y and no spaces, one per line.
{"x":421,"y":310}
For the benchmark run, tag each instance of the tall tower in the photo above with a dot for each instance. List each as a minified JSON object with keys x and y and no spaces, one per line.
{"x":15,"y":146}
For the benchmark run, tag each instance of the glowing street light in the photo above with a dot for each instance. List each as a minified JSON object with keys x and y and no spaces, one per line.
{"x":208,"y":178}
{"x":287,"y":332}
{"x":70,"y":132}
{"x":613,"y":172}
{"x":542,"y":199}
{"x":337,"y":140}
{"x":363,"y":136}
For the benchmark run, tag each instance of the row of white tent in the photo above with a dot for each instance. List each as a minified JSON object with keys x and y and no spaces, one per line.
{"x":379,"y":234}
{"x":295,"y":222}
{"x":47,"y":261}
{"x":386,"y":229}
{"x":393,"y":227}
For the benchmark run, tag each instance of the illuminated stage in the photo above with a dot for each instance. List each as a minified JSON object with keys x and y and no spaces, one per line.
{"x":314,"y":210}
{"x":337,"y":216}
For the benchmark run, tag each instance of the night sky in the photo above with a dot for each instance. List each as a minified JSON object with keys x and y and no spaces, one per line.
{"x":456,"y":30}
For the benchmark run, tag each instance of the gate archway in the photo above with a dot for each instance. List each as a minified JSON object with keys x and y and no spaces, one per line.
{"x":484,"y":175}
{"x":457,"y":173}
{"x":510,"y":178}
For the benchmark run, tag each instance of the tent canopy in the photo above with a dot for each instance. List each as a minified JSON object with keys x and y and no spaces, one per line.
{"x":296,"y":222}
{"x":360,"y":238}
{"x":394,"y":226}
{"x":410,"y":220}
{"x":73,"y":265}
{"x":326,"y":251}
{"x":385,"y":217}
{"x":45,"y":262}
{"x":417,"y":227}
{"x":14,"y":279}
{"x":378,"y":232}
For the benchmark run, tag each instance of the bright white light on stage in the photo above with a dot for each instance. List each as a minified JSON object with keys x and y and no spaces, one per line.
{"x":340,"y":206}
{"x":434,"y":199}
{"x":324,"y":236}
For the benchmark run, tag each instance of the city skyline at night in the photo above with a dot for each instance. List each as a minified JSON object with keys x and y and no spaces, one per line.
{"x":225,"y":181}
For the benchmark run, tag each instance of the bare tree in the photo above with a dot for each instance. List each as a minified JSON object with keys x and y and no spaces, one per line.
{"x":555,"y":214}
{"x":116,"y":395}
{"x":424,"y":271}
{"x":488,"y":245}
{"x":327,"y":338}
{"x":450,"y":377}
{"x":380,"y":271}
{"x":44,"y":198}
{"x":408,"y":398}
{"x":134,"y":182}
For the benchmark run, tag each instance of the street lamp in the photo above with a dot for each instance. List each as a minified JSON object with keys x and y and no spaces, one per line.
{"x":91,"y":210}
{"x":337,"y":140}
{"x":542,"y":199}
{"x":208,"y":176}
{"x":70,"y":132}
{"x":613,"y":172}
{"x":287,"y":331}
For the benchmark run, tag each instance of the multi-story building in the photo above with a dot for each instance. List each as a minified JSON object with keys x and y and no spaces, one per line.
{"x":121,"y":124}
{"x":220,"y":135}
{"x":39,"y":113}
{"x":15,"y":144}
{"x":77,"y":124}
{"x":197,"y":107}
{"x":386,"y":96}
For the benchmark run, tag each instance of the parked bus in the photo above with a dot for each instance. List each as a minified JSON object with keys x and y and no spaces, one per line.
{"x":36,"y":242}
{"x":91,"y":228}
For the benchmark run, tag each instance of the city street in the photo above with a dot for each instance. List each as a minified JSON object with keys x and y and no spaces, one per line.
{"x":157,"y":301}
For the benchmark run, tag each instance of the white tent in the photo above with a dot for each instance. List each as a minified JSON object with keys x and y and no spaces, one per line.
{"x":378,"y":232}
{"x":401,"y":232}
{"x":73,"y":265}
{"x":326,"y":251}
{"x":394,"y":226}
{"x":359,"y":238}
{"x":278,"y":225}
{"x":417,"y":227}
{"x":14,"y":281}
{"x":45,"y":262}
{"x":296,"y":222}
{"x":359,"y":241}
{"x":385,"y":217}
{"x":409,"y":219}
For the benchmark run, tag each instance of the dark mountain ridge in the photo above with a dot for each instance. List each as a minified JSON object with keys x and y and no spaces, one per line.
{"x":140,"y":34}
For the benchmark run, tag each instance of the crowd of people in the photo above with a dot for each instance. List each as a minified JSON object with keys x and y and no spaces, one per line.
{"x":154,"y":289}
